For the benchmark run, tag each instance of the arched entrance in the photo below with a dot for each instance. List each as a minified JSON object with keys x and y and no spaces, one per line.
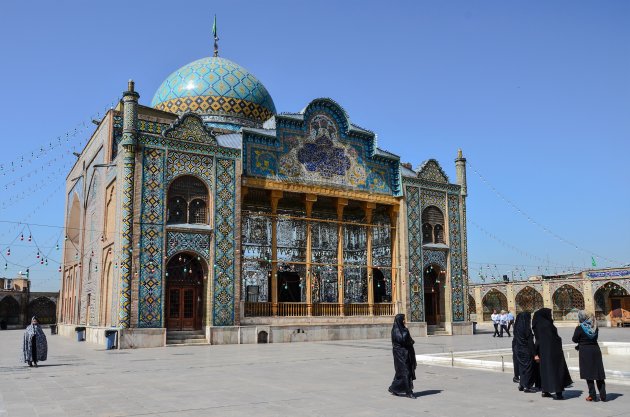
{"x":528,"y":299}
{"x":433,"y":294}
{"x":494,"y":300}
{"x":567,"y":301}
{"x":609,"y":300}
{"x":44,"y":308}
{"x":184,"y":292}
{"x":379,"y":286}
{"x":9,"y":311}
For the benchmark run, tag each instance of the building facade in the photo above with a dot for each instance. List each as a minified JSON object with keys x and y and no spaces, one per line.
{"x":210,"y":213}
{"x":18,"y":304}
{"x":606,"y":292}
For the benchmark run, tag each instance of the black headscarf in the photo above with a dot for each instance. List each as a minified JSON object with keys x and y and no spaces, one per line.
{"x":522,"y":328}
{"x":399,"y":332}
{"x":544,"y":314}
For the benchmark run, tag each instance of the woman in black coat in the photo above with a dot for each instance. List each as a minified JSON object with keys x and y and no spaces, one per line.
{"x":524,"y":351}
{"x":554,"y":373}
{"x":404,"y":359}
{"x":591,"y":364}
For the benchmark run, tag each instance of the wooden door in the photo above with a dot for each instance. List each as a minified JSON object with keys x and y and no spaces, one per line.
{"x":182,"y":308}
{"x":431,"y":307}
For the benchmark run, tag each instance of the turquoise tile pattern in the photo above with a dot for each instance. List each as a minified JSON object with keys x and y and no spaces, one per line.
{"x":215,"y":85}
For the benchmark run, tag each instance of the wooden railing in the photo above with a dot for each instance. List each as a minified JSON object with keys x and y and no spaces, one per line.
{"x":384,"y":309}
{"x":356,"y":309}
{"x":264,"y":309}
{"x":257,"y":309}
{"x":292,"y":309}
{"x":327,"y":309}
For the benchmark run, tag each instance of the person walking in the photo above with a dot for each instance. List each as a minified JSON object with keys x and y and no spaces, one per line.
{"x":554,"y":373}
{"x":591,"y":363}
{"x":510,"y":318}
{"x":495,"y":322}
{"x":404,"y":359}
{"x":503,"y":321}
{"x":523,"y":343}
{"x":34,"y":346}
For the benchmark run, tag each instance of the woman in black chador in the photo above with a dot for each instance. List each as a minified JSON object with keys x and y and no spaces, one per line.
{"x":591,"y":364}
{"x":554,"y":373}
{"x":404,"y":359}
{"x":524,"y":351}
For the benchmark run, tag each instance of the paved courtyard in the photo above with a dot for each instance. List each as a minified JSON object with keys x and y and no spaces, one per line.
{"x":346,"y":378}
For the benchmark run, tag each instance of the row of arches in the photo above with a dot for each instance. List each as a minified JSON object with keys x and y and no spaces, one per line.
{"x":432,"y":225}
{"x":567,"y":301}
{"x":42,"y":307}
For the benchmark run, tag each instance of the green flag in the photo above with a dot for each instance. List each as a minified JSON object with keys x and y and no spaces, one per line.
{"x":593,"y":261}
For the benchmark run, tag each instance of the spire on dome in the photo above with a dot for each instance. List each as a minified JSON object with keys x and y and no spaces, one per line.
{"x":216,"y":38}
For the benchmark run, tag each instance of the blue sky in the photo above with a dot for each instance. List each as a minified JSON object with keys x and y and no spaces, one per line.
{"x":537,"y":94}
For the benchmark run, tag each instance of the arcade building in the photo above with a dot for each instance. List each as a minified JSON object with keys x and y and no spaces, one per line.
{"x":209,"y":217}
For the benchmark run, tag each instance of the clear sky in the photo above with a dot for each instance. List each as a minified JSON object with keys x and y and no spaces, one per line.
{"x":536,"y":93}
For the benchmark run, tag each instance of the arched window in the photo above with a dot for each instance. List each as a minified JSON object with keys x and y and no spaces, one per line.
{"x":432,"y":225}
{"x":177,"y":210}
{"x":197,"y":212}
{"x":438,"y":232}
{"x":187,"y":201}
{"x":427,"y":233}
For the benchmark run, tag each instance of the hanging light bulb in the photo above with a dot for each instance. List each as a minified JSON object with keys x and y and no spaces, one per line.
{"x":102,"y":238}
{"x":6,"y":266}
{"x":8,"y":251}
{"x":37,"y":255}
{"x":41,"y":261}
{"x":92,"y":254}
{"x":96,"y":268}
{"x":57,"y":246}
{"x":30,"y":238}
{"x":59,"y":270}
{"x":65,"y":237}
{"x":190,"y":271}
{"x":21,"y":236}
{"x":185,"y":270}
{"x":76,"y":256}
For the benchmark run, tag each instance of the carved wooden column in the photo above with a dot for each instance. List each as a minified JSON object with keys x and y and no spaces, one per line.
{"x":276,"y":195}
{"x":309,"y":199}
{"x":393,"y":218}
{"x":341,"y":203}
{"x":369,"y":211}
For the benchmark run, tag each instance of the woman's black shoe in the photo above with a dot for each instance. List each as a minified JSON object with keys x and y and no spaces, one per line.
{"x":520,"y":388}
{"x":410,"y":395}
{"x":516,"y":380}
{"x":529,"y":390}
{"x":558,"y":397}
{"x":30,"y":364}
{"x":546,"y":395}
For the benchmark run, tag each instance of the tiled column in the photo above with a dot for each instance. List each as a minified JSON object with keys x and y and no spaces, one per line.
{"x":127,"y":158}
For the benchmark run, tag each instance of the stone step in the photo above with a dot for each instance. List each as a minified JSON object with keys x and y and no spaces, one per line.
{"x":183,"y":342}
{"x":185,"y":336}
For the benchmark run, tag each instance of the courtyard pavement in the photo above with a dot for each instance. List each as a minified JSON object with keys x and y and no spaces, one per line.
{"x":343,"y":378}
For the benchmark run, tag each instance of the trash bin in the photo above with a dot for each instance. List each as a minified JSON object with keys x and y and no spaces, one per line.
{"x":53,"y":329}
{"x":80,"y":333}
{"x":110,"y":336}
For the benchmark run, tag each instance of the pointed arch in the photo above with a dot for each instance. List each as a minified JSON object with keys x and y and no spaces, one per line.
{"x":493,"y":300}
{"x":528,"y":299}
{"x":567,"y":301}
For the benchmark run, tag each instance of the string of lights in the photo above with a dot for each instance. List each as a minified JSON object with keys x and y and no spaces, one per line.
{"x":536,"y":223}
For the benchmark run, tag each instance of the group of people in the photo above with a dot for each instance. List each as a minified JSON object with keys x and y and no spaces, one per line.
{"x":502,"y":322}
{"x":537,"y":352}
{"x":539,"y":359}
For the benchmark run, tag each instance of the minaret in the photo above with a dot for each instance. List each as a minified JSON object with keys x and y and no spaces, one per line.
{"x":126,"y":151}
{"x":460,"y":167}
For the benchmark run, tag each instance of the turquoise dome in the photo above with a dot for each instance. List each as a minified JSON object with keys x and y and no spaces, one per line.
{"x":217,"y":89}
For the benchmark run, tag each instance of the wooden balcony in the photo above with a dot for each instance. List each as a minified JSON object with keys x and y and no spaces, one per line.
{"x":264,"y":309}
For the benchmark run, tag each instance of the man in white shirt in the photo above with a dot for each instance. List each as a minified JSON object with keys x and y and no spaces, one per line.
{"x":495,"y":322}
{"x":503,"y":321}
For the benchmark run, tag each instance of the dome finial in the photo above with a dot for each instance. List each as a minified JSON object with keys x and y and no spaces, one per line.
{"x":216,"y":37}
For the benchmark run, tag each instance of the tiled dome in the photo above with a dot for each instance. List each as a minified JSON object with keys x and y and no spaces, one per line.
{"x":217,"y":89}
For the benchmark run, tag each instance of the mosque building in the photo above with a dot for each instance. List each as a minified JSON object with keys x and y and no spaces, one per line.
{"x":209,"y":217}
